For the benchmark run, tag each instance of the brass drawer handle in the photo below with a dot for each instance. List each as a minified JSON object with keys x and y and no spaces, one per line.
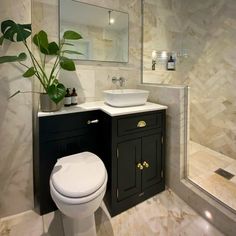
{"x":145,"y":164}
{"x":141,"y":124}
{"x":140,"y":166}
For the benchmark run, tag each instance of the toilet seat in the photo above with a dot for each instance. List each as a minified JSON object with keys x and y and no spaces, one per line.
{"x":78,"y":178}
{"x":81,"y":200}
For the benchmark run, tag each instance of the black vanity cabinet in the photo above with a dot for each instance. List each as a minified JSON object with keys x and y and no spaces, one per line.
{"x":135,"y":159}
{"x":59,"y":136}
{"x":131,"y":147}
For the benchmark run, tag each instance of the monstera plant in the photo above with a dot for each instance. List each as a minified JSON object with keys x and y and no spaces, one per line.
{"x":19,"y":33}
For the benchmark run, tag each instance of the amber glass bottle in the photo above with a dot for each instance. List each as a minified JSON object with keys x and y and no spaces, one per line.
{"x":74,"y":98}
{"x":67,"y":99}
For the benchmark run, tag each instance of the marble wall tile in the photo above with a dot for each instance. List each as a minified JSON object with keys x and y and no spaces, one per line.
{"x":206,"y":30}
{"x":46,"y":16}
{"x":15,"y":122}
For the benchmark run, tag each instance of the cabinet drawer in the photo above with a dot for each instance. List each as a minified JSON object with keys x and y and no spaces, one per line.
{"x":68,"y":123}
{"x":139,"y":123}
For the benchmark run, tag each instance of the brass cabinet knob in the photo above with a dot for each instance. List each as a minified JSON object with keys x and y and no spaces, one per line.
{"x":145,"y":164}
{"x":141,"y":124}
{"x":140,"y":166}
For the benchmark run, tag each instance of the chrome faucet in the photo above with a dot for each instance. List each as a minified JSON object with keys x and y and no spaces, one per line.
{"x":121,"y":80}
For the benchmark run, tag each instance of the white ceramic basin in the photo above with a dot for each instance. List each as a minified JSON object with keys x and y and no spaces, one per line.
{"x":125,"y":97}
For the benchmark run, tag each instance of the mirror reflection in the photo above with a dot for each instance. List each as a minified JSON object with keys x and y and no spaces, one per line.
{"x":104,"y":31}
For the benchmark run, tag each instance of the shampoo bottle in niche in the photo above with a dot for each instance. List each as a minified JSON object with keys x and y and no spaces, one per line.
{"x":67,"y":99}
{"x":170,"y":64}
{"x":74,"y":97}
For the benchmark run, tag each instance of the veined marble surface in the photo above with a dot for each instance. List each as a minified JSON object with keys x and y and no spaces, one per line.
{"x":164,"y":214}
{"x":202,"y":164}
{"x":100,"y":105}
{"x":15,"y":121}
{"x":202,"y":33}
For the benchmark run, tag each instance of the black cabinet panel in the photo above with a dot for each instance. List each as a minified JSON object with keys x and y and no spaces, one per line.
{"x":68,"y":125}
{"x":152,"y":158}
{"x":130,"y":183}
{"x":118,"y":141}
{"x":128,"y":174}
{"x":60,"y":136}
{"x":138,"y":123}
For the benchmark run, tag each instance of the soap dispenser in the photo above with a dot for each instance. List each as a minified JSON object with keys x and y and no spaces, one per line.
{"x":170,"y":64}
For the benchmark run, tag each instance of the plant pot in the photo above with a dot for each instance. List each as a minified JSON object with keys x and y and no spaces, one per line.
{"x":47,"y":105}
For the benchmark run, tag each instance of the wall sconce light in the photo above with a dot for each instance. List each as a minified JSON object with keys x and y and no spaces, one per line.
{"x":110,"y":19}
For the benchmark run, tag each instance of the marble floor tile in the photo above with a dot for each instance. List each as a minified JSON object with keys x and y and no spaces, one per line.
{"x":52,"y":224}
{"x":202,"y":164}
{"x":25,"y":224}
{"x":164,"y":214}
{"x":231,"y":168}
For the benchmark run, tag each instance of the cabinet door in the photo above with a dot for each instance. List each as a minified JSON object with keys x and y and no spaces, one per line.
{"x":129,"y":176}
{"x":152,"y":155}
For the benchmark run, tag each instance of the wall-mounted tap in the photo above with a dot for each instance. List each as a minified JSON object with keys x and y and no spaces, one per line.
{"x":121,"y":80}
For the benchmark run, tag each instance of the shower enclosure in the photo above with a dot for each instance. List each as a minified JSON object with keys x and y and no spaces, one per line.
{"x":200,"y":35}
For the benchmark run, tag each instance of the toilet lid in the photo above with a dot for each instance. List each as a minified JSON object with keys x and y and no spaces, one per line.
{"x":78,"y":175}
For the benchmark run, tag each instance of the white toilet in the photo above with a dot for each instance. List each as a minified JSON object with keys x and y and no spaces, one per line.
{"x":78,"y":185}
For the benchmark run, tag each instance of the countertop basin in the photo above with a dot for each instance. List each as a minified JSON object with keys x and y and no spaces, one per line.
{"x":125,"y":97}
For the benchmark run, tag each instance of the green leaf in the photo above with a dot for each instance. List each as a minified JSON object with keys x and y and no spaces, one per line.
{"x":15,"y":32}
{"x":30,"y":72}
{"x":72,"y":35}
{"x":56,"y":92}
{"x":67,"y":64}
{"x":41,"y":41}
{"x":53,"y":48}
{"x":72,"y":52}
{"x":21,"y":57}
{"x":1,"y":40}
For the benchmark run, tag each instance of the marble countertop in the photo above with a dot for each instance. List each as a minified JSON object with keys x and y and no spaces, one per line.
{"x":100,"y":105}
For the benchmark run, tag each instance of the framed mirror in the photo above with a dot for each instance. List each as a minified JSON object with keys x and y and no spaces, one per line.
{"x":105,"y":31}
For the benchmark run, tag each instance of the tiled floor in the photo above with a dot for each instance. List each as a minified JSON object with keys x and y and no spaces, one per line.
{"x":165,"y":214}
{"x":202,"y":164}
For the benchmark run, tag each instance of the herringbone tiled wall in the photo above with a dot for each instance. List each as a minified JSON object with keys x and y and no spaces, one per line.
{"x":206,"y":29}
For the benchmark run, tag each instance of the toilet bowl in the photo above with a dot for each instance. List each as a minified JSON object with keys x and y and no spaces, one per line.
{"x":78,"y":185}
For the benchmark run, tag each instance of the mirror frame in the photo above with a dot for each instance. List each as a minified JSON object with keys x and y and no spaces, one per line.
{"x":91,"y":60}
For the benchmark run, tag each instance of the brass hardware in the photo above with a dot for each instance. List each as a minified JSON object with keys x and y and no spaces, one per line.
{"x":117,"y":193}
{"x":117,"y":152}
{"x":141,"y":124}
{"x":140,"y":166}
{"x":145,"y":164}
{"x":162,"y":174}
{"x":162,"y":140}
{"x":92,"y":121}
